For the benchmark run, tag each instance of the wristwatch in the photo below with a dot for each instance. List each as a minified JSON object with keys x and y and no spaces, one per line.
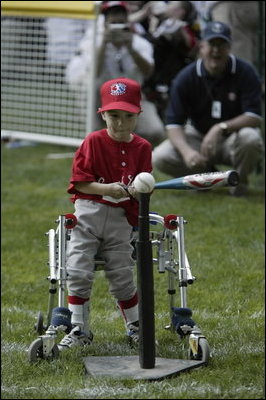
{"x":224,"y":128}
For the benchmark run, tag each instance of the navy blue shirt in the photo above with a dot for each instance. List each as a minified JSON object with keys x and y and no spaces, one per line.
{"x":193,"y":92}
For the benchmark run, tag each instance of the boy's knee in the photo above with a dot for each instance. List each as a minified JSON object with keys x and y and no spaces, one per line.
{"x":121,"y":283}
{"x":81,"y":280}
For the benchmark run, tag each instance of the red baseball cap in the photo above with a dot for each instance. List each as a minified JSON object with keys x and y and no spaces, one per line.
{"x":121,"y":94}
{"x":106,"y":5}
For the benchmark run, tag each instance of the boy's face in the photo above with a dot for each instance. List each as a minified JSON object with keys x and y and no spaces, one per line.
{"x":120,"y":124}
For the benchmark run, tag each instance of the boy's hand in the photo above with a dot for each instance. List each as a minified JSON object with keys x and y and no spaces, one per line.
{"x":116,"y":190}
{"x":132,"y":191}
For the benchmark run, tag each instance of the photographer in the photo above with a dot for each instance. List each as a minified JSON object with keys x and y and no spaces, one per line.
{"x":120,"y":52}
{"x":119,"y":39}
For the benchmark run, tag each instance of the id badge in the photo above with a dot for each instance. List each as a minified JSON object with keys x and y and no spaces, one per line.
{"x":216,"y":109}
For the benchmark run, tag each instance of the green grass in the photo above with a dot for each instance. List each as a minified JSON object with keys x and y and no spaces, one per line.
{"x":225,"y":246}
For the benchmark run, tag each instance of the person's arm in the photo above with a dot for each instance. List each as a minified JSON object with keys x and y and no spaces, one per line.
{"x":191,"y":157}
{"x":241,"y":121}
{"x":77,"y":69}
{"x":122,"y":38}
{"x":144,"y":12}
{"x":115,"y":190}
{"x":101,"y":51}
{"x":145,"y":66}
{"x":138,"y":53}
{"x":221,"y":131}
{"x":177,"y":136}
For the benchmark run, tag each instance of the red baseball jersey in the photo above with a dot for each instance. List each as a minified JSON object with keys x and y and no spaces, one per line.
{"x":104,"y":160}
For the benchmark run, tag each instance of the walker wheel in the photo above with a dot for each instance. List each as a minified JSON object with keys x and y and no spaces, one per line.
{"x":39,"y":327}
{"x":203,"y":351}
{"x":35,"y":351}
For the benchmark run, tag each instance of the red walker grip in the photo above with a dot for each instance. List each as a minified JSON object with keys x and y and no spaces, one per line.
{"x":170,"y":221}
{"x":70,"y":221}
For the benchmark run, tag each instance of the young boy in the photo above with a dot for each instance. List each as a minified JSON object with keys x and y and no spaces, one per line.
{"x":106,"y":208}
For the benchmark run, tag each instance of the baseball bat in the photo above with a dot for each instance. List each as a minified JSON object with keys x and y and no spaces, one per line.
{"x":202,"y":181}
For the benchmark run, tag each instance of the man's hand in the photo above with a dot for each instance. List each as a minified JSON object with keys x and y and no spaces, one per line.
{"x":211,"y":142}
{"x":194,"y":160}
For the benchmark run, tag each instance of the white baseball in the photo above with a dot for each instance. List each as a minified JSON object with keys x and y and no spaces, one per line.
{"x":144,"y":182}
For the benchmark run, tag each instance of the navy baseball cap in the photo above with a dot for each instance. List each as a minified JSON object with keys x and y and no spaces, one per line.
{"x":216,"y":29}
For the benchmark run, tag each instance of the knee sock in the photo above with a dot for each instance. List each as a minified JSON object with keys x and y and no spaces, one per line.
{"x":79,"y":308}
{"x":129,"y":310}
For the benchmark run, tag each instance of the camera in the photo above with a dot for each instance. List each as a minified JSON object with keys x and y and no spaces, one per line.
{"x":118,"y":27}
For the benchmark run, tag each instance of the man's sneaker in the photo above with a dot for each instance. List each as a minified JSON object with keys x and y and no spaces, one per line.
{"x":133,"y":332}
{"x":75,"y":338}
{"x":240,"y":190}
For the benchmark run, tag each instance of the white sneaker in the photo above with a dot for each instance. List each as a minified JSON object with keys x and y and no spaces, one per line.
{"x":75,"y":338}
{"x":133,"y":332}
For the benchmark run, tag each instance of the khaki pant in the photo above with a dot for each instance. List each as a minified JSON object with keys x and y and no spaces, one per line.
{"x":100,"y":229}
{"x":242,"y":151}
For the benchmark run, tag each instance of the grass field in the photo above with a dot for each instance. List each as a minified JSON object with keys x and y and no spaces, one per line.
{"x":225,"y":246}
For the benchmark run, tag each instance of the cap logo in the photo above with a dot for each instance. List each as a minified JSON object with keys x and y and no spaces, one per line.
{"x":118,"y":89}
{"x":217,"y":28}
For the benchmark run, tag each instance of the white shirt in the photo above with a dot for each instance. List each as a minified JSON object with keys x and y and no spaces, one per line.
{"x":78,"y":67}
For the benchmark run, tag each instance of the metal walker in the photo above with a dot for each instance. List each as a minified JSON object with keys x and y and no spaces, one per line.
{"x":169,"y":255}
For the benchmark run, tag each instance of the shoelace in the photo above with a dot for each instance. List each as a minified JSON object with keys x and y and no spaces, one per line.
{"x":134,"y":335}
{"x":135,"y":338}
{"x":67,"y":340}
